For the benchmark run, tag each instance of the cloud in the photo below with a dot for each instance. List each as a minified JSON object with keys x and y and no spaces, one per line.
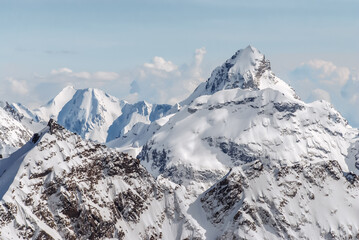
{"x":325,"y":71}
{"x":158,"y":63}
{"x":158,"y":80}
{"x":18,"y":87}
{"x":323,"y":80}
{"x":61,"y":71}
{"x":105,"y":76}
{"x":162,"y":81}
{"x":320,"y":94}
{"x":51,"y":52}
{"x":97,"y":76}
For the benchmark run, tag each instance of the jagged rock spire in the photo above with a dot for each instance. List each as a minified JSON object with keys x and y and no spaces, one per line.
{"x":248,"y":69}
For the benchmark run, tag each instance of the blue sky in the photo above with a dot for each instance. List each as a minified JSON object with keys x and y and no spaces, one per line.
{"x":45,"y":45}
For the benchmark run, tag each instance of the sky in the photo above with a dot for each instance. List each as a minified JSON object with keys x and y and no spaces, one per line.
{"x":160,"y":50}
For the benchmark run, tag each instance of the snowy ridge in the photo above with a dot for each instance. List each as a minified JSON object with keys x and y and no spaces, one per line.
{"x":140,"y":112}
{"x":64,"y":187}
{"x":133,"y":141}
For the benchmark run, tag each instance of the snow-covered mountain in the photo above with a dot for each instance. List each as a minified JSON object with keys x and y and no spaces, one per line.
{"x":232,"y":127}
{"x":246,"y":69}
{"x":241,"y":158}
{"x":90,"y":113}
{"x":59,"y":186}
{"x":94,"y":114}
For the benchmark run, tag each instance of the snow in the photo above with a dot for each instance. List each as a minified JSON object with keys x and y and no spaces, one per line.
{"x":242,"y":157}
{"x":90,"y":112}
{"x":54,"y":106}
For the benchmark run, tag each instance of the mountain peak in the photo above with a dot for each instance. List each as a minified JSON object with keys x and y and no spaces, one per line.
{"x":53,"y":107}
{"x":247,"y":69}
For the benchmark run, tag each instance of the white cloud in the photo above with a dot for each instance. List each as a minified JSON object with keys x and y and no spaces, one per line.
{"x":319,"y":79}
{"x":161,"y":64}
{"x":321,"y":94}
{"x":162,"y":81}
{"x":61,"y":70}
{"x":96,"y":76}
{"x":18,"y":87}
{"x":105,"y":76}
{"x":326,"y":72}
{"x":82,"y":75}
{"x":158,"y":81}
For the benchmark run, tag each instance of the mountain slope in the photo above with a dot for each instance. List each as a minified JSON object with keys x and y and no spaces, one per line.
{"x":232,"y":127}
{"x":140,"y":112}
{"x":59,"y":186}
{"x":138,"y":136}
{"x":302,"y":201}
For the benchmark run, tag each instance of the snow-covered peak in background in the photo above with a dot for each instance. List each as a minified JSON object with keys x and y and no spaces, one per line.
{"x":247,"y":69}
{"x":90,"y":112}
{"x":94,"y":114}
{"x":54,"y":106}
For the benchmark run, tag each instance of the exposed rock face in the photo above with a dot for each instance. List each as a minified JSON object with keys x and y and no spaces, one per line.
{"x":246,"y":69}
{"x":294,"y":202}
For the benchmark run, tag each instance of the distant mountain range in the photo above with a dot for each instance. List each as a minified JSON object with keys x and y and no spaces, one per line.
{"x":241,"y":158}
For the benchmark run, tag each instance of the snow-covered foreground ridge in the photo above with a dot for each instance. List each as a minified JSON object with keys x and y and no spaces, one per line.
{"x":242,"y":158}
